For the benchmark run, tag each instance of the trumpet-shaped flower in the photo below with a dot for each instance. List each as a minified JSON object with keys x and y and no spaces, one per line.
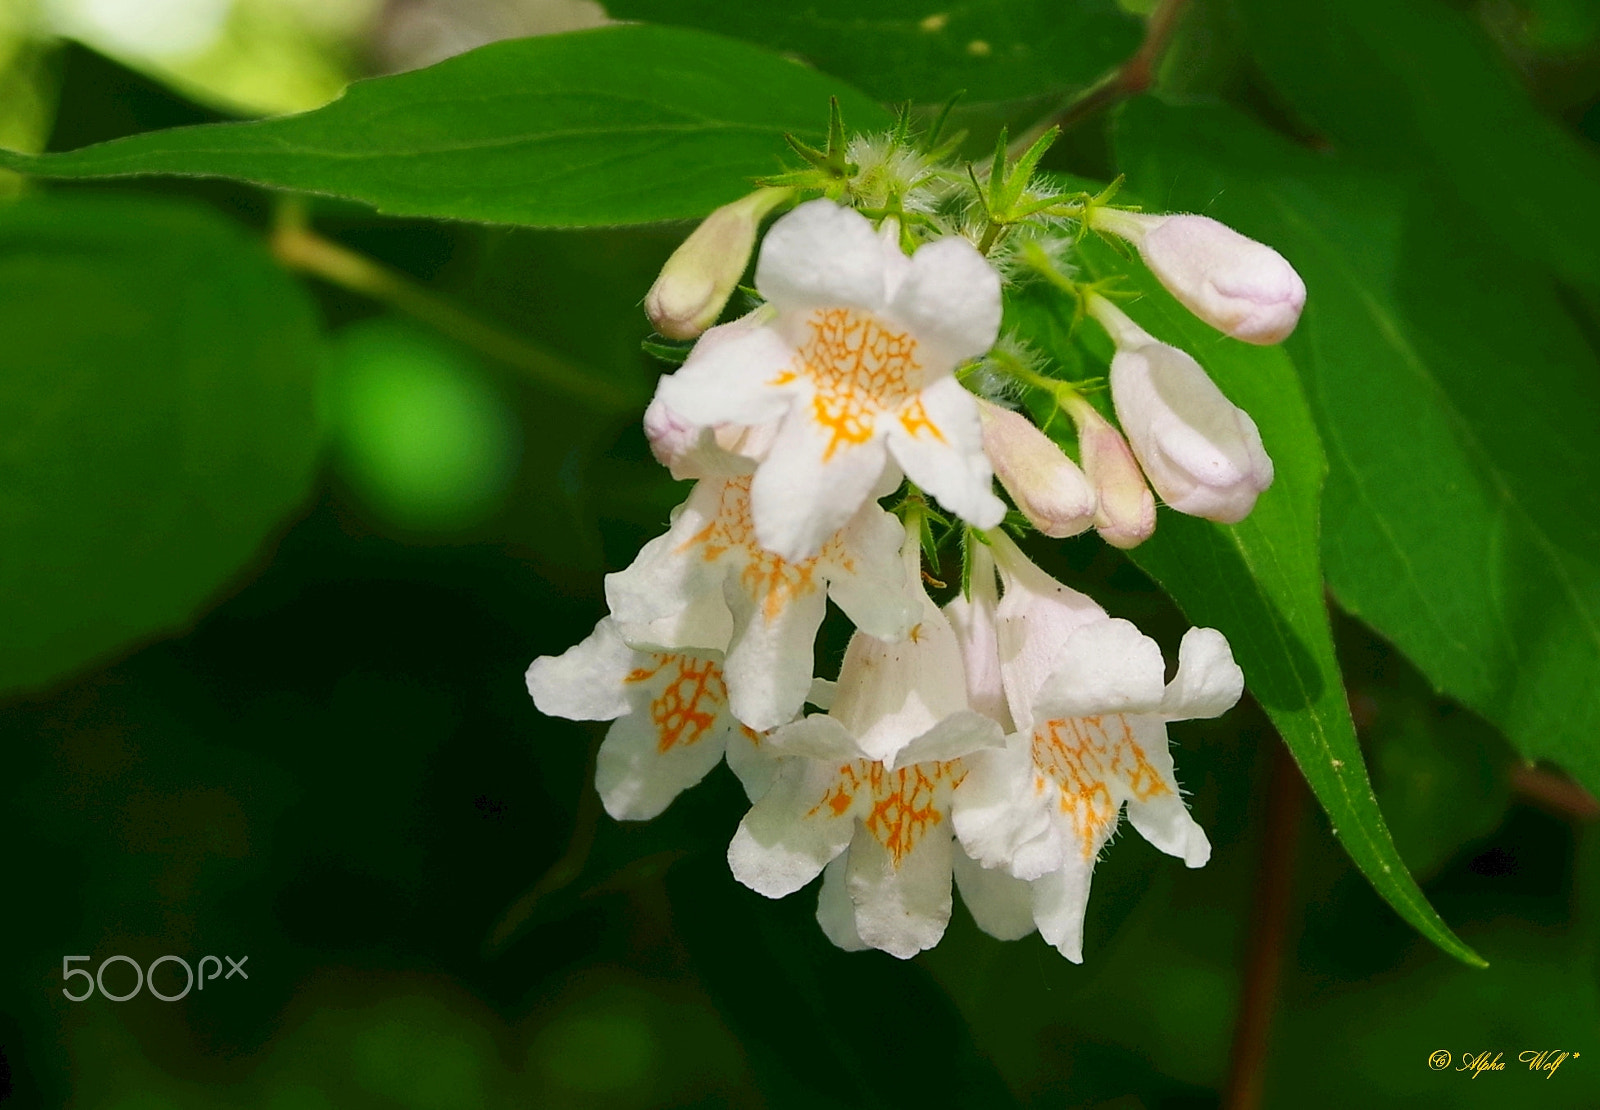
{"x":1239,"y":286}
{"x":1202,"y":452}
{"x":671,"y":713}
{"x":1092,"y":711}
{"x":854,"y":361}
{"x":709,"y":584}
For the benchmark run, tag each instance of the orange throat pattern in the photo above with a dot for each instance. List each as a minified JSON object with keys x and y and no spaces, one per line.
{"x":690,"y":697}
{"x":859,"y":369}
{"x":1093,"y":764}
{"x":905,"y":804}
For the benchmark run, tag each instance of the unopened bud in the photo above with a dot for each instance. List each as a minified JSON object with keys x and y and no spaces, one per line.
{"x":1201,"y":452}
{"x":1125,"y":510}
{"x":1239,"y":286}
{"x":1046,"y":485}
{"x":703,"y":272}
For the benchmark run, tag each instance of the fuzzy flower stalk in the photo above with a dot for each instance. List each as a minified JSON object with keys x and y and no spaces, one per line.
{"x":983,"y":736}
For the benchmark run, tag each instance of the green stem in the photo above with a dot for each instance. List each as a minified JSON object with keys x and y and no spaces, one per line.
{"x":298,"y":247}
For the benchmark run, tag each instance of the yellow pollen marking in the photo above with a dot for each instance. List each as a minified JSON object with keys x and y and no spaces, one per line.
{"x":1084,"y":758}
{"x":774,"y":582}
{"x":914,"y":419}
{"x":905,"y":803}
{"x":859,"y":369}
{"x":691,"y":698}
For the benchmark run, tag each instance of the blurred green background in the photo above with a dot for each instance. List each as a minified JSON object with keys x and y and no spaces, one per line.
{"x":337,"y":773}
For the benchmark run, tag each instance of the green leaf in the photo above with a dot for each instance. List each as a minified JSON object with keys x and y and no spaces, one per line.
{"x":620,"y":125}
{"x":1457,"y":401}
{"x":1260,"y":583}
{"x":1435,"y":93}
{"x":913,"y":50}
{"x":156,"y":421}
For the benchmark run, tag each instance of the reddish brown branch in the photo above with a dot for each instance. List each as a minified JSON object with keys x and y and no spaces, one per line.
{"x":1269,"y":922}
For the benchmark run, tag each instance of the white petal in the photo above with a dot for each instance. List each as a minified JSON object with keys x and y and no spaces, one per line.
{"x":1001,"y":905}
{"x":1208,"y":682}
{"x":732,"y":382}
{"x":950,"y":299}
{"x":1160,"y":815}
{"x":891,"y":693}
{"x":822,"y":693}
{"x":867,"y":578}
{"x":690,"y":450}
{"x":770,"y":655}
{"x":974,"y":622}
{"x":937,"y":440}
{"x":637,"y":777}
{"x":1202,"y":453}
{"x":902,"y":907}
{"x":1105,"y":667}
{"x":959,"y":734}
{"x":1035,"y":617}
{"x":835,"y":912}
{"x":704,"y":624}
{"x":752,"y":761}
{"x":1059,"y":902}
{"x":818,"y":737}
{"x":791,"y":833}
{"x":809,"y":487}
{"x":996,"y":809}
{"x":671,"y":570}
{"x":587,"y":681}
{"x":822,"y":256}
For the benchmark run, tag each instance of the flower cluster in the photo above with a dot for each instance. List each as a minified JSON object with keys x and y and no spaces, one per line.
{"x":991,"y":743}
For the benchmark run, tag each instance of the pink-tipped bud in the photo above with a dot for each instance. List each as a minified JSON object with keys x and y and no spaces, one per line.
{"x":1046,"y":485}
{"x":1201,"y":452}
{"x":1239,"y":286}
{"x":703,"y":272}
{"x":1125,"y":512}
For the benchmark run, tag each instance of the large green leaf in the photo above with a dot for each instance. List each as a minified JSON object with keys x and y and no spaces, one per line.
{"x":1434,"y":94}
{"x":156,"y":421}
{"x":912,"y":50}
{"x":1457,"y":400}
{"x":619,"y":125}
{"x":1260,"y":583}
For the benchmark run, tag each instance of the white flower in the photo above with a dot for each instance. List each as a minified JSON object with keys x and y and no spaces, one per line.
{"x":855,"y":361}
{"x":703,"y":272}
{"x":1047,"y":486}
{"x":671,"y":712}
{"x":1202,"y":452}
{"x":707,"y":583}
{"x":1239,"y":286}
{"x":1125,"y":511}
{"x":1091,"y":710}
{"x":874,"y":776}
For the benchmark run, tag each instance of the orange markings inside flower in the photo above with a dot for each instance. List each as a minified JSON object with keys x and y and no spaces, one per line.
{"x":691,"y":698}
{"x":905,"y":803}
{"x":770,"y":579}
{"x":1080,"y":756}
{"x":859,"y":369}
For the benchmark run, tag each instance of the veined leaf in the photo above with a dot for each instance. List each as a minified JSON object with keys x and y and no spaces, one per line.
{"x":619,"y":125}
{"x":1456,"y":397}
{"x":148,"y":448}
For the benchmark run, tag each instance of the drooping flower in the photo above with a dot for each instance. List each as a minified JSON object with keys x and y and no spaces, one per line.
{"x":1201,"y":452}
{"x":1091,"y":710}
{"x":854,"y":360}
{"x":871,"y":780}
{"x":703,"y":272}
{"x":671,"y":713}
{"x":1239,"y":286}
{"x":1046,"y":485}
{"x":708,"y":583}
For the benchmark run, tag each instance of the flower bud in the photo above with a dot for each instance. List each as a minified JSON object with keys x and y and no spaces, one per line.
{"x":702,"y":273}
{"x":1202,"y":453}
{"x":1239,"y":286}
{"x":1046,"y":485}
{"x":1125,"y":512}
